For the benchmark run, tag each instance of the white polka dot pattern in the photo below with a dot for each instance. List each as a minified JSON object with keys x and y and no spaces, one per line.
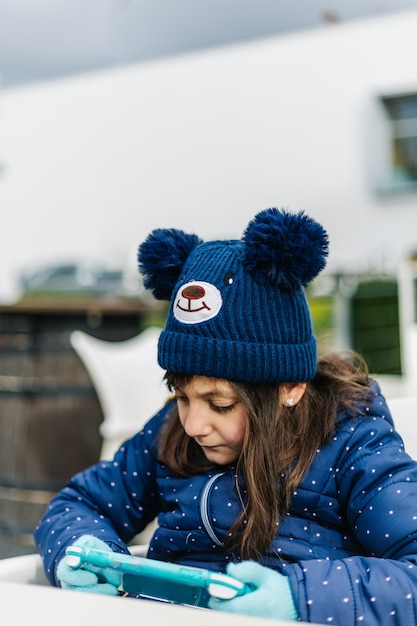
{"x":348,"y":544}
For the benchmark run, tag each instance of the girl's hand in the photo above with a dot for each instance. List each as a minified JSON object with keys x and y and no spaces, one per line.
{"x":93,"y":579}
{"x":271,"y":596}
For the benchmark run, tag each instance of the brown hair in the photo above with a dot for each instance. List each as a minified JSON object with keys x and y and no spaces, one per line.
{"x":279,"y":445}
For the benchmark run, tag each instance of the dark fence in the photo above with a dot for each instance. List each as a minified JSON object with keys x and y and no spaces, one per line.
{"x":49,"y":411}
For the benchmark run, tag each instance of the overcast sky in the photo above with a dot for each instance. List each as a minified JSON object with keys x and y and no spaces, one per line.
{"x":43,"y":39}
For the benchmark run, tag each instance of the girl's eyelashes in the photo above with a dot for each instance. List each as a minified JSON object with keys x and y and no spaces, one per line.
{"x":222,"y":409}
{"x":217,"y":408}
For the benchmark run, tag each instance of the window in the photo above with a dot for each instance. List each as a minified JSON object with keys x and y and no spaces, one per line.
{"x":400,"y":114}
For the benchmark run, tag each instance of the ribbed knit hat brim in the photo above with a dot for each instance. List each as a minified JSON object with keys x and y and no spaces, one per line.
{"x":237,"y":360}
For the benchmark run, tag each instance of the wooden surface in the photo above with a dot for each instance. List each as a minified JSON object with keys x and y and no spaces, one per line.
{"x":106,"y":305}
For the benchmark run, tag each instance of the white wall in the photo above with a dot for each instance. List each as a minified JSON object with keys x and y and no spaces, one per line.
{"x":202,"y":142}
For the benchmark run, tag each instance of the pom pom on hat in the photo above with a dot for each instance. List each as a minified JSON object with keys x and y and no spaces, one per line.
{"x":283,"y":249}
{"x":238,"y":309}
{"x":162,"y":257}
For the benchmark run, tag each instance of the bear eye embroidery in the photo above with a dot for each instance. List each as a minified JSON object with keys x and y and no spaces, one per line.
{"x":229,"y":278}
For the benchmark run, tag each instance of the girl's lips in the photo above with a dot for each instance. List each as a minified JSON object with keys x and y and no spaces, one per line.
{"x":210,"y":446}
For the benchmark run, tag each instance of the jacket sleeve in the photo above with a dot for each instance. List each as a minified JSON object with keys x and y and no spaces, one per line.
{"x":377,"y":487}
{"x":112,"y":500}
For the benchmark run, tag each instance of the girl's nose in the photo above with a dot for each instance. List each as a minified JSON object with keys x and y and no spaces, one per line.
{"x":196,"y":424}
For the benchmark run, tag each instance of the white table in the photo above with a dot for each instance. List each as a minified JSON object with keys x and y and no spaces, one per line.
{"x":38,"y":605}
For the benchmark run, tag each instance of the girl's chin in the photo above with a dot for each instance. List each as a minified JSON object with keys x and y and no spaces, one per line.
{"x":220,"y":455}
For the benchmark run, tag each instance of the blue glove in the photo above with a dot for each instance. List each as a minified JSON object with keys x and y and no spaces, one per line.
{"x":89,"y":578}
{"x":271,"y":598}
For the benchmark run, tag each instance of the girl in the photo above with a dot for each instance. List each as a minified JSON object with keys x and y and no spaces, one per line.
{"x":282,"y":470}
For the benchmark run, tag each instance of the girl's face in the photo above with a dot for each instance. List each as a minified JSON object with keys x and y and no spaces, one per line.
{"x":212,"y":414}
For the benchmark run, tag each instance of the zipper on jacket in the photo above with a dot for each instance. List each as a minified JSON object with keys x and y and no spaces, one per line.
{"x":204,"y":509}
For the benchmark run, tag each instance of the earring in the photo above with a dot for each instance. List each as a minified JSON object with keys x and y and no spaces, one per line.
{"x":289,"y":401}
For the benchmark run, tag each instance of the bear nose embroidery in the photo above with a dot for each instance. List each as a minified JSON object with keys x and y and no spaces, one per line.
{"x":193,"y":292}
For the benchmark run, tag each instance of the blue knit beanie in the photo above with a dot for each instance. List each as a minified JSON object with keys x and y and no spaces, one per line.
{"x":238,"y":309}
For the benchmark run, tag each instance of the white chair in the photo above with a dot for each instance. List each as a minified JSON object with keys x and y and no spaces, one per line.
{"x":127,"y":379}
{"x":404,"y":413}
{"x":26,"y":569}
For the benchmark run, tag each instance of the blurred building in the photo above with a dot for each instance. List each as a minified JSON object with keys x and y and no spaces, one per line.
{"x":322,"y":120}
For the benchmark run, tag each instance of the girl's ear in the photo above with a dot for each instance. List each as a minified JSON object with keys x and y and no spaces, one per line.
{"x":291,"y":393}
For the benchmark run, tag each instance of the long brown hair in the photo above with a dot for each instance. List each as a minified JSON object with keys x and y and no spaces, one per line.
{"x":279,"y":445}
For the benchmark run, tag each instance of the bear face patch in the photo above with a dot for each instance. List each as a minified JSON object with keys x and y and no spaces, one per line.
{"x":196,"y":301}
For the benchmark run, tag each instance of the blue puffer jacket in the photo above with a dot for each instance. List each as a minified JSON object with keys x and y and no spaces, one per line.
{"x":348,"y":546}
